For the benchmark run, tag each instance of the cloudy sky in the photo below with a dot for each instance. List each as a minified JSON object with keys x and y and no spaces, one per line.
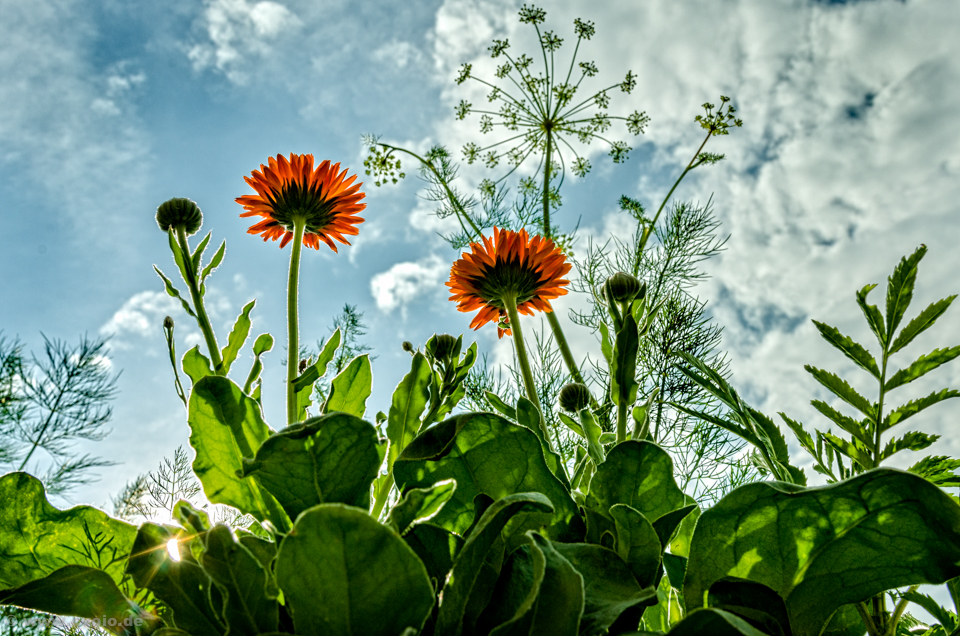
{"x":849,"y":158}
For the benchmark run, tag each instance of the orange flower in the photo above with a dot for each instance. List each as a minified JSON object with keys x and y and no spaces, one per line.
{"x":511,"y":264}
{"x":292,"y":189}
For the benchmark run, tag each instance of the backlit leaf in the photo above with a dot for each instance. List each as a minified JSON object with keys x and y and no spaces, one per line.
{"x":900,"y":289}
{"x":351,"y":388}
{"x":922,"y":366}
{"x":196,"y":365}
{"x":921,"y":323}
{"x":842,"y":390}
{"x":913,"y":407}
{"x":409,"y":401}
{"x":849,"y":348}
{"x":872,"y":314}
{"x":914,"y":440}
{"x":238,"y":335}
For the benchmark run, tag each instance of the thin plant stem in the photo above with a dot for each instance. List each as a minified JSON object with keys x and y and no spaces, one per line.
{"x":898,"y":612}
{"x":198,"y":307}
{"x":622,"y":421}
{"x":510,"y":303}
{"x":293,"y":328}
{"x":546,"y":181}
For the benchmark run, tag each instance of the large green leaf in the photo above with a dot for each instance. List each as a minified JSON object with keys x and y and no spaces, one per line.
{"x":247,"y":609}
{"x":182,"y":584}
{"x":613,"y":600}
{"x":225,"y":427}
{"x":758,"y":604}
{"x":409,"y":401}
{"x":238,"y":335}
{"x":328,"y":459}
{"x":714,"y":622}
{"x":436,"y":547}
{"x":468,"y":566}
{"x":539,"y":592}
{"x":37,"y":539}
{"x":638,"y":474}
{"x":344,"y":574}
{"x":485,"y":453}
{"x":351,"y":388}
{"x":821,"y":548}
{"x":637,"y":543}
{"x":86,"y":592}
{"x":921,"y":366}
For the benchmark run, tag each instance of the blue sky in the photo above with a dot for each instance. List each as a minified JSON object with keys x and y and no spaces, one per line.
{"x":848,"y":159}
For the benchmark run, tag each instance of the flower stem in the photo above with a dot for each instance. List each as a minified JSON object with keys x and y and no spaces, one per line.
{"x":293,"y":328}
{"x":510,"y":303}
{"x":546,"y":183}
{"x":202,"y":320}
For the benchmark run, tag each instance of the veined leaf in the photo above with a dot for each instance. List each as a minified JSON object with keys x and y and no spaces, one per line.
{"x":420,"y":504}
{"x":849,"y":348}
{"x":851,"y":450}
{"x":754,"y":601}
{"x":351,"y":388}
{"x":238,"y":335}
{"x":914,"y":440}
{"x":409,"y":401}
{"x":715,"y":622}
{"x":319,"y":368}
{"x":913,"y":407}
{"x":872,"y":314}
{"x":900,"y":289}
{"x":848,"y":424}
{"x":922,"y":366}
{"x":946,"y":618}
{"x":637,"y":543}
{"x":500,"y":405}
{"x":938,"y":469}
{"x":196,"y":365}
{"x":818,"y":548}
{"x":921,"y":323}
{"x":214,"y":262}
{"x":174,"y":292}
{"x":842,"y":390}
{"x":528,"y":415}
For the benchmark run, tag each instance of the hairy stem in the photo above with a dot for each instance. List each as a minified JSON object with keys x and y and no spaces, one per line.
{"x":510,"y":303}
{"x":293,"y":328}
{"x":546,"y":181}
{"x":202,"y":320}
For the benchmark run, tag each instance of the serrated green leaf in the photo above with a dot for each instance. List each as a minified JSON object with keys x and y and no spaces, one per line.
{"x":914,"y":440}
{"x":500,"y":405}
{"x":921,"y":366}
{"x":818,"y":548}
{"x":921,"y":323}
{"x":938,"y":469}
{"x":408,"y":403}
{"x":351,"y":388}
{"x":805,"y":439}
{"x":900,"y":289}
{"x":196,"y":365}
{"x":850,"y":449}
{"x":872,"y":314}
{"x":214,"y":262}
{"x":947,"y":618}
{"x":913,"y":407}
{"x":198,"y":253}
{"x":238,"y":335}
{"x":842,"y":390}
{"x":848,"y":424}
{"x":849,"y":348}
{"x":174,"y":293}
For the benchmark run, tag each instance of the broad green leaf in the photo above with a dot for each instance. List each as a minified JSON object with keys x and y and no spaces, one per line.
{"x":261,"y":345}
{"x":325,"y":569}
{"x":680,"y":544}
{"x":225,"y":427}
{"x":900,"y":289}
{"x":485,"y":453}
{"x":821,"y":548}
{"x":921,"y":323}
{"x":328,"y":459}
{"x":638,"y":474}
{"x":420,"y":504}
{"x":842,"y":390}
{"x":914,"y":440}
{"x":198,"y":253}
{"x":174,"y":292}
{"x":753,"y":601}
{"x":467,"y":567}
{"x":83,"y":591}
{"x":436,"y":547}
{"x":238,"y":335}
{"x":845,"y":622}
{"x":500,"y":405}
{"x":351,"y":388}
{"x":637,"y":543}
{"x":182,"y":585}
{"x":850,"y":425}
{"x":196,"y":365}
{"x":612,"y":597}
{"x":872,"y":314}
{"x":37,"y":539}
{"x":539,"y":592}
{"x":409,"y":401}
{"x":922,"y":366}
{"x":714,"y":622}
{"x":319,"y":368}
{"x":913,"y":407}
{"x":849,"y":348}
{"x":675,"y":567}
{"x":247,"y":609}
{"x":669,"y":523}
{"x":214,"y":262}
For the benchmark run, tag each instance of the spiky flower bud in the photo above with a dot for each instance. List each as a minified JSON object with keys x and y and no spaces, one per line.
{"x":179,"y":212}
{"x":622,"y":287}
{"x":574,"y":397}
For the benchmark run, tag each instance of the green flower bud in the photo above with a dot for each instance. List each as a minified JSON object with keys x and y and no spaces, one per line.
{"x":168,"y":323}
{"x":444,"y":347}
{"x":179,"y":212}
{"x":407,"y":346}
{"x":623,"y":288}
{"x":574,"y":397}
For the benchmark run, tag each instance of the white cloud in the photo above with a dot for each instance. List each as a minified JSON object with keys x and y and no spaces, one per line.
{"x":238,"y":30}
{"x":398,"y":53}
{"x":141,"y":315}
{"x":404,"y":282}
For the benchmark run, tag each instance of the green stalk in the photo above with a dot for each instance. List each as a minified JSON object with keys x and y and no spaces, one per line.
{"x":510,"y":303}
{"x":382,"y":496}
{"x":293,"y":328}
{"x":202,"y":318}
{"x":622,"y":421}
{"x":546,"y":181}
